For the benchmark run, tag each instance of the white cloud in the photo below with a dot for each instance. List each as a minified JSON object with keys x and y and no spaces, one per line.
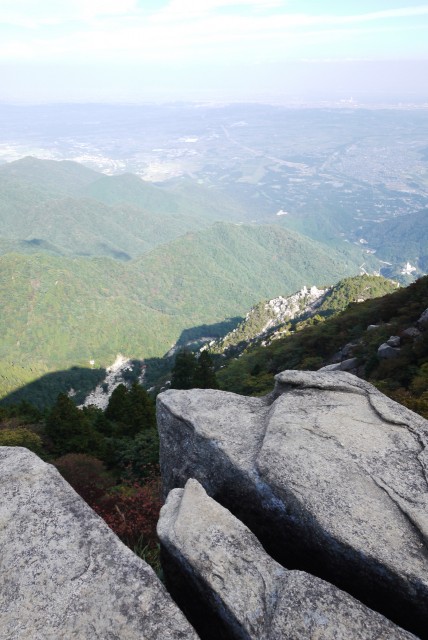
{"x":205,"y":6}
{"x":185,"y":29}
{"x":33,"y":13}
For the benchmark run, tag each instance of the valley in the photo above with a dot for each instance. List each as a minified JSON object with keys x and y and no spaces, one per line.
{"x":334,"y":174}
{"x":125,"y":228}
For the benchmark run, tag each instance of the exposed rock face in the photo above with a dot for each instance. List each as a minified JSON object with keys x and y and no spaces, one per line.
{"x":251,"y":595}
{"x":304,"y":301}
{"x":64,"y":574}
{"x":386,"y":352}
{"x":351,"y":364}
{"x":411,"y":332}
{"x":423,"y":320}
{"x":343,"y":354}
{"x":330,"y":474}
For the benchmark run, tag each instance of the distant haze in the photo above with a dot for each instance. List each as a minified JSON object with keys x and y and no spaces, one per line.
{"x":258,"y":50}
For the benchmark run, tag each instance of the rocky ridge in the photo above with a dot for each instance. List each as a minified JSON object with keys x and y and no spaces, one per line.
{"x":328,"y":473}
{"x":267,"y":316}
{"x":246,"y":593}
{"x":265,"y":321}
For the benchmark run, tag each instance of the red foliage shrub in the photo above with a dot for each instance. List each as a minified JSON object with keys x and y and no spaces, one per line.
{"x":133,"y":514}
{"x":86,"y":474}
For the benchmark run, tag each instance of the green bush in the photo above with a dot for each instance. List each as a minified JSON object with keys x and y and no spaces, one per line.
{"x":21,"y":437}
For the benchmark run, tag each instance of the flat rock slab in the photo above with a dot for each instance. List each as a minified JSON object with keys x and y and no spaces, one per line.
{"x":254,"y":597}
{"x":64,"y":574}
{"x":329,"y":473}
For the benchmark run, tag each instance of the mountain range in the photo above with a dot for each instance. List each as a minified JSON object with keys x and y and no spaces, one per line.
{"x":92,"y":265}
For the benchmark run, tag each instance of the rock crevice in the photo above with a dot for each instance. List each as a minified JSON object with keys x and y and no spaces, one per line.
{"x":326,"y":471}
{"x":247,"y":595}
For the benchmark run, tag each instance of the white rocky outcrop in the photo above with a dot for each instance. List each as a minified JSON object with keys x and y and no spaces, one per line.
{"x":100,"y":396}
{"x":328,"y":473}
{"x":304,"y":301}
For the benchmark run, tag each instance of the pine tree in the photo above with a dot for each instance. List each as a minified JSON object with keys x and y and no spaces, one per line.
{"x":204,"y":376}
{"x":183,"y":370}
{"x":117,"y":408}
{"x":70,"y":430}
{"x":141,"y":410}
{"x":133,"y":410}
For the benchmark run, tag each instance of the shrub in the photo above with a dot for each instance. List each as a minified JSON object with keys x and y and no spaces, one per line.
{"x":137,"y":458}
{"x":86,"y":474}
{"x":133,"y":513}
{"x":21,"y":437}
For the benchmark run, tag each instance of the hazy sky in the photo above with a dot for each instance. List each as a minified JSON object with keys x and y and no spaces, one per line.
{"x":137,"y":50}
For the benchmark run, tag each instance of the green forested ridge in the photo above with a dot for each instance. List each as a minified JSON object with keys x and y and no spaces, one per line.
{"x":65,"y":208}
{"x":93,"y":265}
{"x":235,"y":263}
{"x":57,"y":178}
{"x":58,"y":312}
{"x":184,"y":199}
{"x":355,"y":289}
{"x":72,"y":226}
{"x":314,"y":341}
{"x":405,"y":236}
{"x":335,"y":299}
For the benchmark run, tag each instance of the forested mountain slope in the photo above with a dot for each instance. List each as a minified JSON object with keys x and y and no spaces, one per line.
{"x":68,"y":209}
{"x":357,"y":332}
{"x":271,"y":318}
{"x":58,"y":312}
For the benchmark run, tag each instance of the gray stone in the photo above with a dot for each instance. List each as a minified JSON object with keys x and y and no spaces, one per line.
{"x":252,"y":595}
{"x":344,"y":353}
{"x":423,"y":320}
{"x":371,"y":327}
{"x":346,"y":365}
{"x":330,"y":474}
{"x":393,"y":341}
{"x":386,"y":352}
{"x":411,"y":332}
{"x":64,"y":574}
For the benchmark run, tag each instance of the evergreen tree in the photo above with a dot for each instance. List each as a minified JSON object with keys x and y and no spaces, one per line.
{"x":117,"y":408}
{"x":183,"y":370}
{"x":132,"y":410}
{"x":141,"y":410}
{"x":99,"y":421}
{"x":204,"y":376}
{"x":136,"y":457}
{"x":70,"y":430}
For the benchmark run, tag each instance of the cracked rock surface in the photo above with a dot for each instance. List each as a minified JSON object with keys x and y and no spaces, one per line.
{"x":329,"y":473}
{"x":254,"y":596}
{"x":64,"y":574}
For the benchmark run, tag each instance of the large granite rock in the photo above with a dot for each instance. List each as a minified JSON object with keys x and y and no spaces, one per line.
{"x":351,"y":364}
{"x":64,"y":574}
{"x":330,"y":474}
{"x":386,"y":352}
{"x":251,"y":595}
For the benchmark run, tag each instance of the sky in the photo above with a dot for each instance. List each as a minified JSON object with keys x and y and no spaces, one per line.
{"x":217,"y":50}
